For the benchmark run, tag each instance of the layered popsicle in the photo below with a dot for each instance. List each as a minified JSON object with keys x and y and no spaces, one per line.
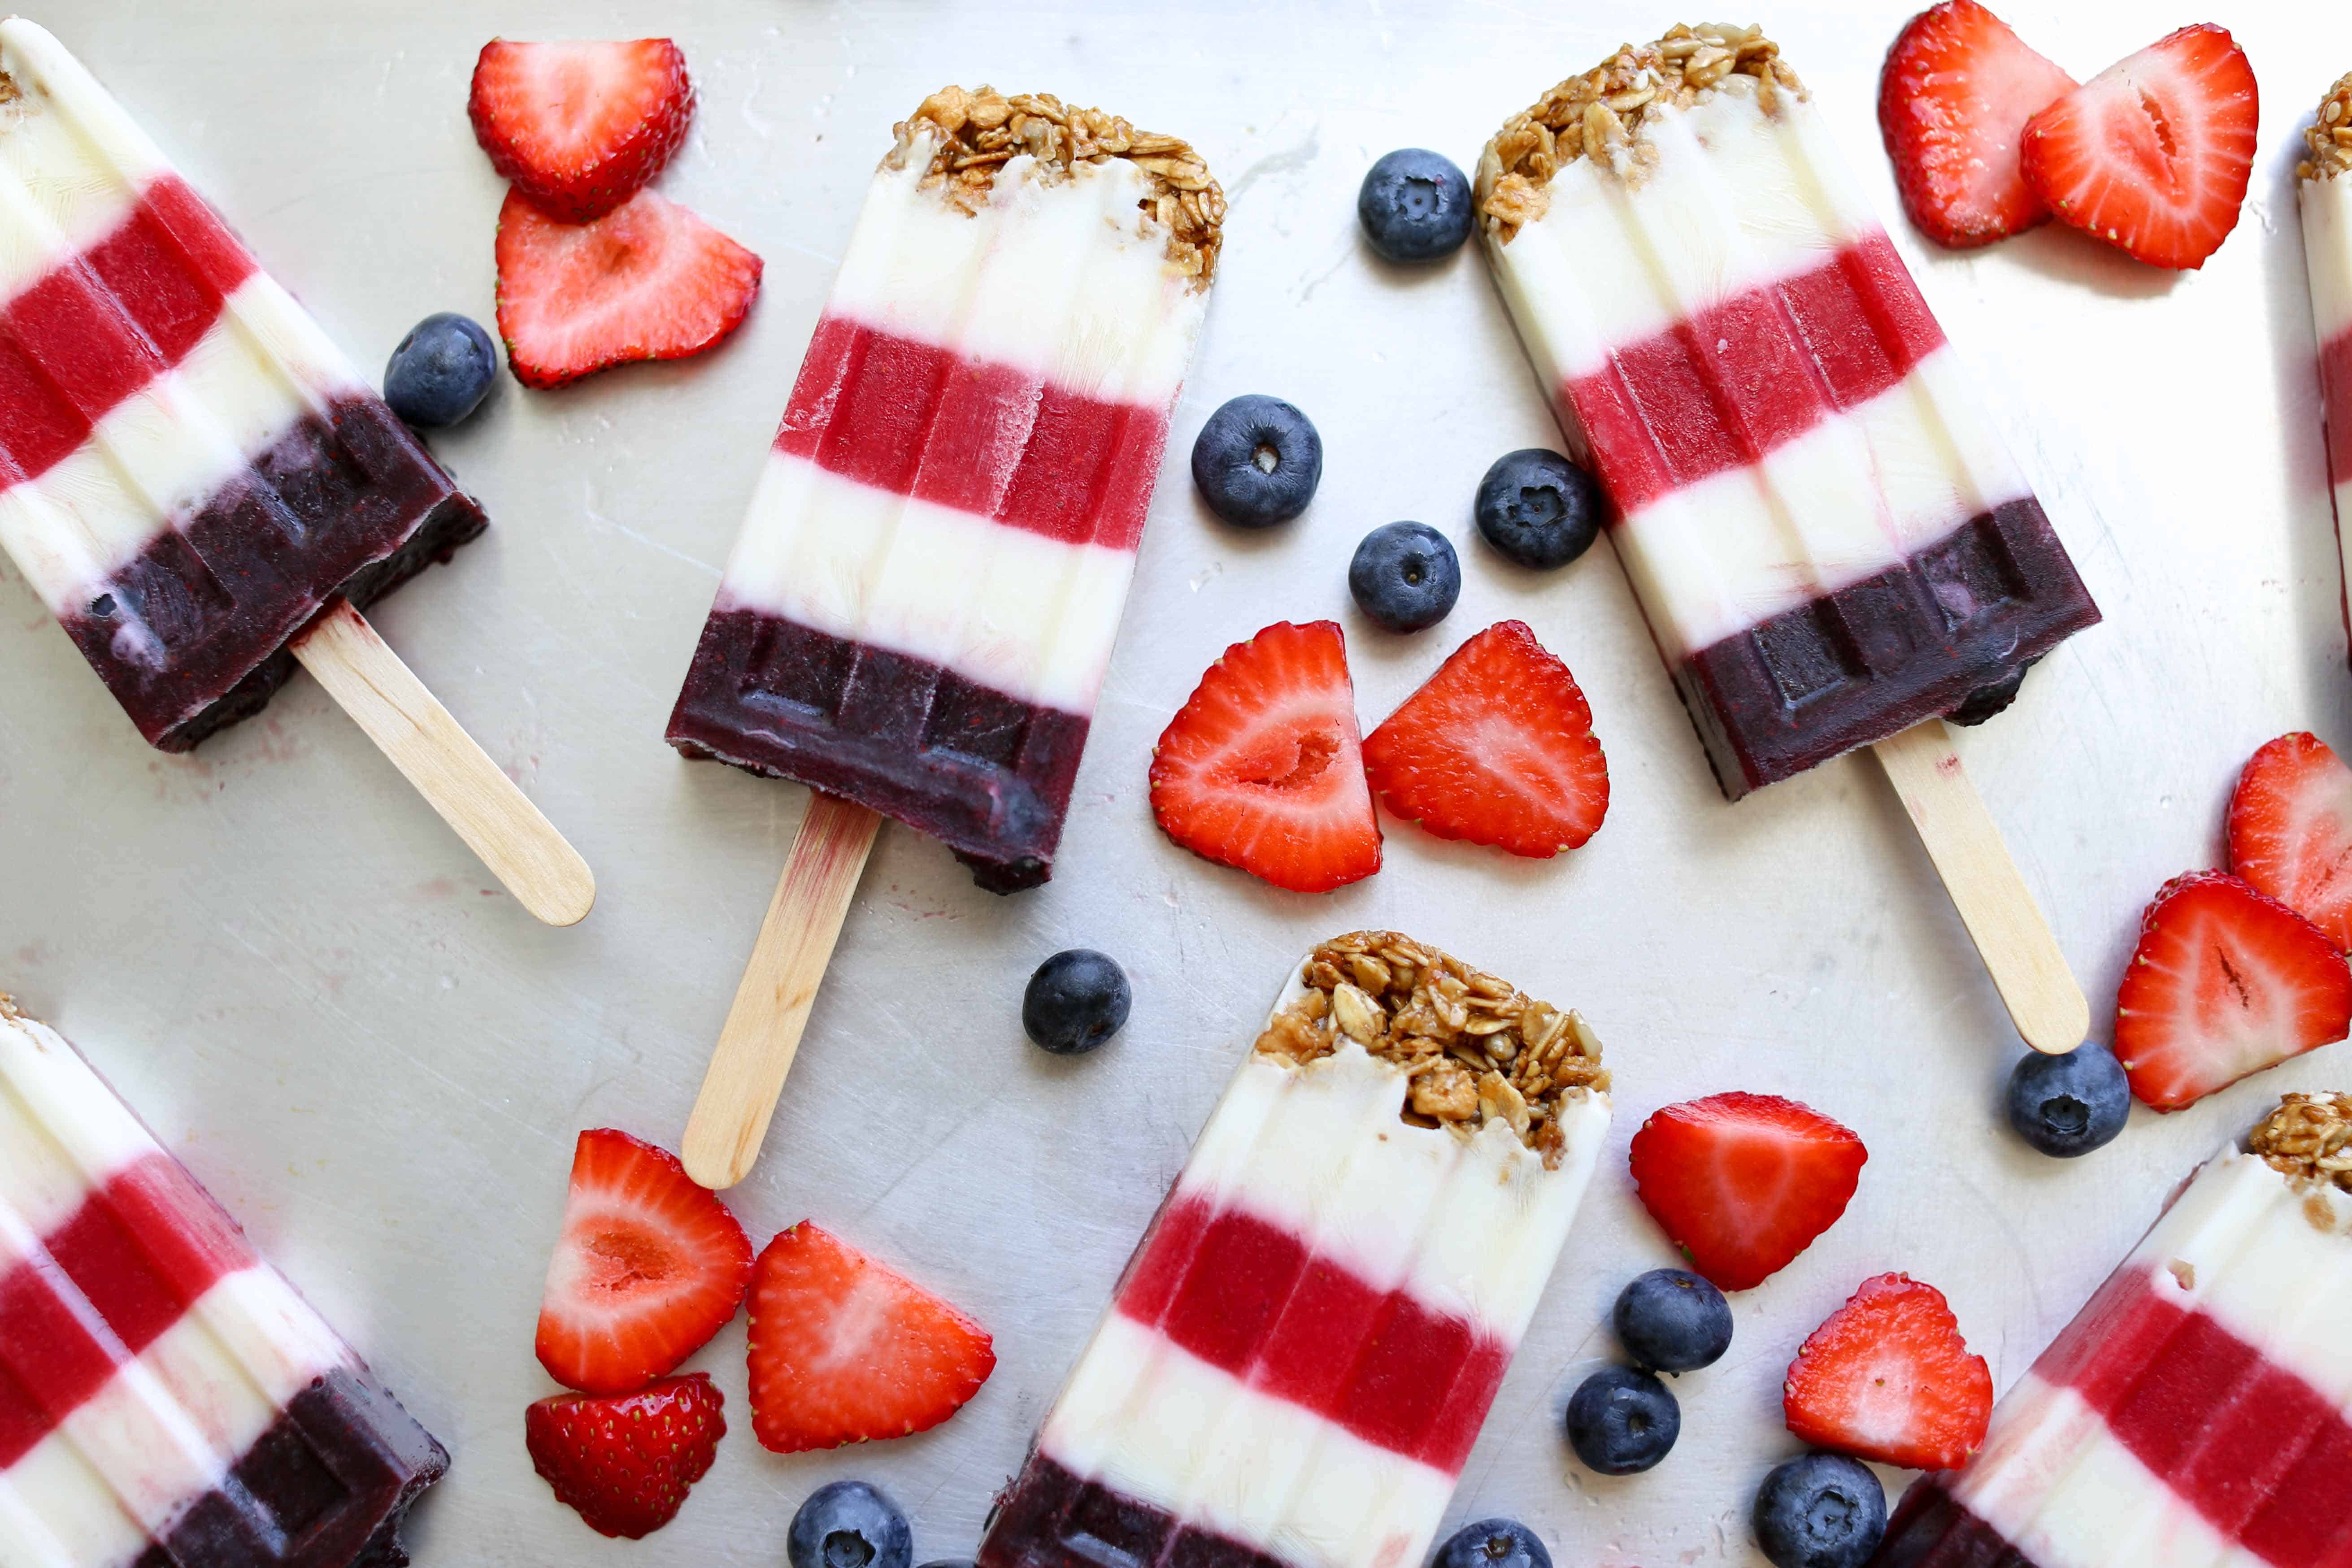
{"x":1300,"y":1353}
{"x":2326,"y":201}
{"x":192,"y":473}
{"x":1828,"y":541}
{"x":166,"y":1400}
{"x":923,"y":599}
{"x":2197,"y":1412}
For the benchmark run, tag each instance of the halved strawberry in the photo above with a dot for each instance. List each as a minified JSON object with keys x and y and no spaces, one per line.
{"x":2225,"y":981}
{"x":648,"y":1267}
{"x":624,"y":1461}
{"x":580,"y":126}
{"x":1953,"y":99}
{"x":2291,"y":831}
{"x":1497,"y":748}
{"x":1887,"y":1378}
{"x":1263,"y":767}
{"x":2153,"y":153}
{"x":648,"y":280}
{"x":844,"y":1350}
{"x":1743,"y":1183}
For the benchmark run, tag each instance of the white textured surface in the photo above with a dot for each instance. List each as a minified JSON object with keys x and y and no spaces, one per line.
{"x":72,"y":163}
{"x":1160,"y":1424}
{"x":1015,"y":610}
{"x":315,"y":994}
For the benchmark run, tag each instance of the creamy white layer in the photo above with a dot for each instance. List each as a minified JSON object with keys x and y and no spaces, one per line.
{"x":1067,"y":277}
{"x":1735,"y":199}
{"x":1847,"y":500}
{"x":2271,"y":1263}
{"x":166,"y":1426}
{"x":1470,"y":1226}
{"x":72,"y":163}
{"x":1025,"y":615}
{"x":163,"y":451}
{"x":1151,"y":1421}
{"x":2062,"y":1488}
{"x":62,"y":1133}
{"x":2327,"y":264}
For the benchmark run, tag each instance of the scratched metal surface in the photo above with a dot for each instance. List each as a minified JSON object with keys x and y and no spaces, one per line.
{"x":315,"y":994}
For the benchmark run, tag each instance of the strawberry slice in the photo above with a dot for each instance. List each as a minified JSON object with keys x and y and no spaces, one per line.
{"x":1953,"y":99}
{"x":2291,"y":831}
{"x":2153,"y":153}
{"x":1743,"y":1183}
{"x":1497,"y":748}
{"x":845,"y":1349}
{"x":580,"y":127}
{"x":624,"y":1461}
{"x":1887,"y":1378}
{"x":1263,"y":767}
{"x":648,"y":280}
{"x":2226,"y":981}
{"x":648,"y":1267}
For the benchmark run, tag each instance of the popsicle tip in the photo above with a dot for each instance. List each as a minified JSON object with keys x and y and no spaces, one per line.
{"x":564,"y":894}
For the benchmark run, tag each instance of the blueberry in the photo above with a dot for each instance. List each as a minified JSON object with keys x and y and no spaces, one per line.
{"x":1077,"y":999}
{"x":1415,"y":206}
{"x":440,"y":371}
{"x":1257,"y":460}
{"x":848,"y":1524}
{"x":1539,"y":508}
{"x":1670,"y":1319}
{"x":1987,"y":700}
{"x":1823,"y":1510}
{"x":2069,"y":1105}
{"x":1405,"y":576}
{"x":1621,"y":1421}
{"x":1492,"y":1543}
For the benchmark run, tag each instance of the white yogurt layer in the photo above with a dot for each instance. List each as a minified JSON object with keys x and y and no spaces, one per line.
{"x":1067,"y":279}
{"x":2327,"y":265}
{"x":62,"y":1134}
{"x":72,"y":163}
{"x":1031,"y":616}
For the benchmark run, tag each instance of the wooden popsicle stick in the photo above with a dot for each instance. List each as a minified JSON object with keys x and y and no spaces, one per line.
{"x":2011,"y":937}
{"x":453,"y":774}
{"x":762,"y":1032}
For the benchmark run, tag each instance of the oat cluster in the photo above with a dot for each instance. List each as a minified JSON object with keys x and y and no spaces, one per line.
{"x":1473,"y":1047}
{"x":2308,"y":1138}
{"x":2328,"y":137}
{"x":977,"y":128}
{"x":1597,"y":115}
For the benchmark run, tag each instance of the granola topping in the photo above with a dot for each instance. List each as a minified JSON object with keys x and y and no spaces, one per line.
{"x":1598,"y":115}
{"x":2308,"y":1139}
{"x":1475,"y":1049}
{"x":977,"y":129}
{"x":2328,"y":137}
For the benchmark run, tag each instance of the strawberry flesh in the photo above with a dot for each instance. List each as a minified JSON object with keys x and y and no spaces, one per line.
{"x":2153,"y":154}
{"x":844,"y":1350}
{"x":580,"y":127}
{"x":1263,"y":767}
{"x":1497,"y":748}
{"x":648,"y":280}
{"x":2291,"y":831}
{"x":1743,"y":1183}
{"x":2226,"y":981}
{"x":625,"y":1462}
{"x":1953,"y":101}
{"x":1887,"y":1378}
{"x":648,"y":1267}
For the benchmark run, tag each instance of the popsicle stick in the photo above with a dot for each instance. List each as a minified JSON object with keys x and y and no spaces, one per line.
{"x":2011,"y":937}
{"x":762,"y":1032}
{"x":453,"y":774}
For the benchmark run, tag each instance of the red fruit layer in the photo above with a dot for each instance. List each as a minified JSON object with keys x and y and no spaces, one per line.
{"x":139,"y":1252}
{"x":96,"y":329}
{"x":1249,"y":1297}
{"x":919,"y":420}
{"x":2336,"y":403}
{"x":2260,"y":1453}
{"x":1747,"y":374}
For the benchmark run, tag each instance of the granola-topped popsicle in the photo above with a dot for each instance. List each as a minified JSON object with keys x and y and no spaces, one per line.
{"x":2325,"y":193}
{"x":1301,"y":1352}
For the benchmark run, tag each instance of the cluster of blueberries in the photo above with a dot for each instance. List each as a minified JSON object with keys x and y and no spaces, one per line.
{"x":1258,"y":459}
